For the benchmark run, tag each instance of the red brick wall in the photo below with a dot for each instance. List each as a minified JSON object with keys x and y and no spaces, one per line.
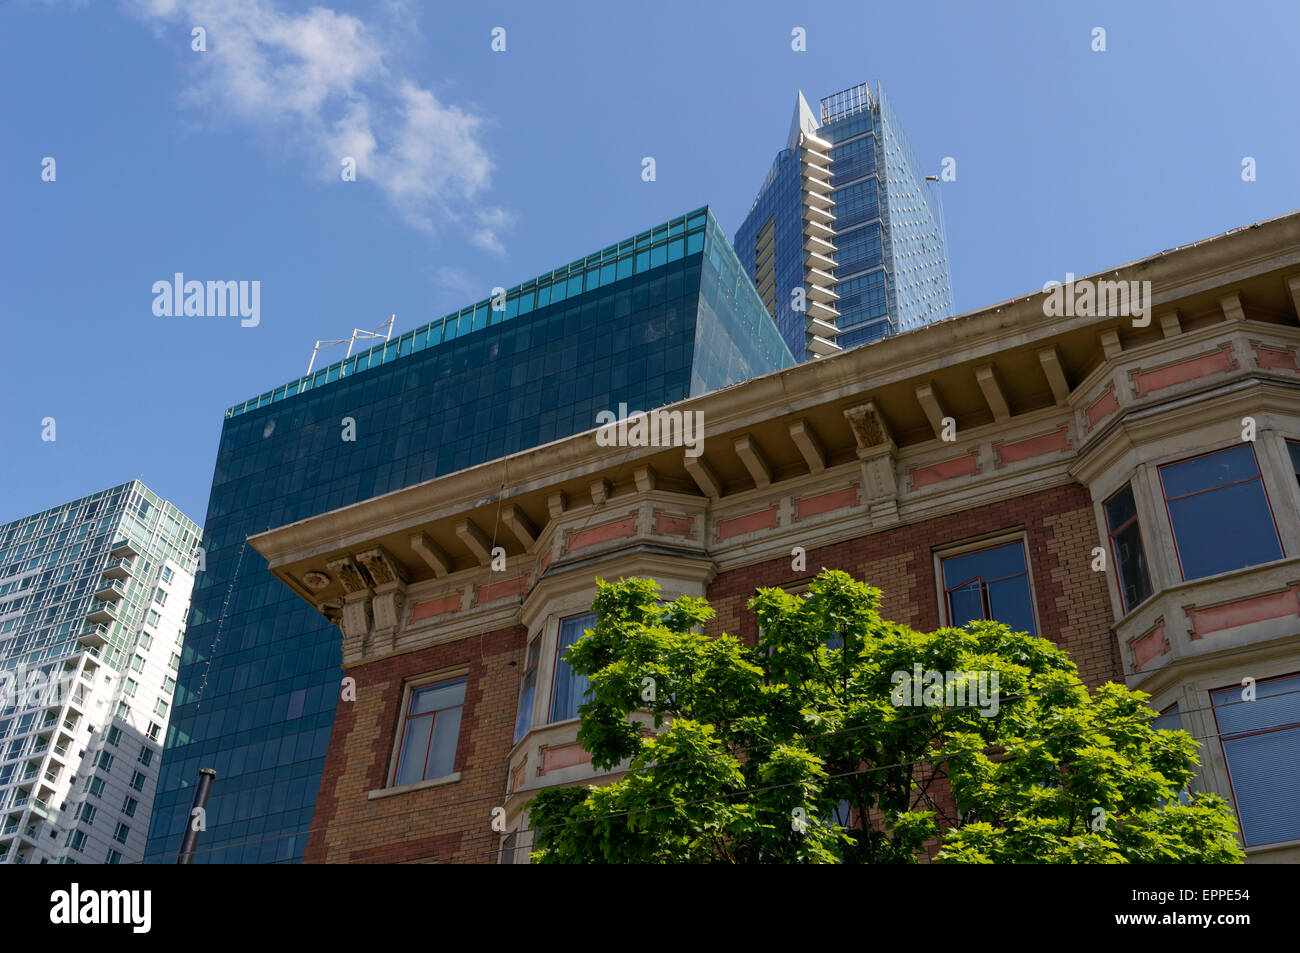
{"x":1072,"y":602}
{"x":452,"y":823}
{"x":1073,"y":606}
{"x":449,"y":823}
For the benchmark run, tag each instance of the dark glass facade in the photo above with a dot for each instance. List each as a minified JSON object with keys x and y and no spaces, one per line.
{"x":891,"y":259}
{"x":660,"y":317}
{"x":780,"y":202}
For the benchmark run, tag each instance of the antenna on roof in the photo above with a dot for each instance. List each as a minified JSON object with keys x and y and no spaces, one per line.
{"x":386,"y":328}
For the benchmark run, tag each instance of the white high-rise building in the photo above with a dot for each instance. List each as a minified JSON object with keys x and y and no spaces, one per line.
{"x":93,"y":601}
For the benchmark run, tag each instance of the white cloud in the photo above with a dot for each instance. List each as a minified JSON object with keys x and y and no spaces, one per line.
{"x":459,"y":287}
{"x":318,"y":82}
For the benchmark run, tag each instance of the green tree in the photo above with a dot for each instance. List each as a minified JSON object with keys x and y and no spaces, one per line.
{"x":751,"y":754}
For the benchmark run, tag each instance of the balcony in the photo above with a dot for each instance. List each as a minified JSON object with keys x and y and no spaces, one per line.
{"x":1231,"y":612}
{"x":821,"y":217}
{"x":819,"y":261}
{"x":94,"y":636}
{"x":822,"y":294}
{"x":821,"y":312}
{"x":119,"y":568}
{"x":818,"y":200}
{"x":821,"y":346}
{"x":821,"y":328}
{"x":123,"y":549}
{"x":102,"y":612}
{"x":813,"y":243}
{"x":818,"y":228}
{"x":819,"y":186}
{"x":111,"y":591}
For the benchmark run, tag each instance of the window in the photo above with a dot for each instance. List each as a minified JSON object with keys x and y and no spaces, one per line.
{"x":76,"y":839}
{"x":160,"y":597}
{"x":154,"y":729}
{"x":130,"y":687}
{"x":114,"y":857}
{"x":569,"y":689}
{"x":95,"y":785}
{"x":1126,"y":548}
{"x":153,"y":617}
{"x":137,"y":663}
{"x":527,"y":688}
{"x":129,"y":806}
{"x":104,"y":760}
{"x":123,"y":711}
{"x":169,"y":684}
{"x":990,"y":583}
{"x":114,"y":734}
{"x":160,"y":709}
{"x":1261,"y":743}
{"x":121,"y":833}
{"x":508,"y":848}
{"x":146,"y":640}
{"x":167,"y":574}
{"x":86,"y":812}
{"x":1208,"y":493}
{"x":1169,"y":720}
{"x":146,"y":756}
{"x":1294,"y":447}
{"x":1172,"y":720}
{"x":430,"y":731}
{"x":137,"y":780}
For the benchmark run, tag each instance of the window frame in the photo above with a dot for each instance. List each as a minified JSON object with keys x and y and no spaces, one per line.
{"x":1169,"y":516}
{"x":403,"y":718}
{"x":989,"y":541}
{"x":1136,"y":518}
{"x":1237,"y":736}
{"x":533,"y":667}
{"x":555,"y":666}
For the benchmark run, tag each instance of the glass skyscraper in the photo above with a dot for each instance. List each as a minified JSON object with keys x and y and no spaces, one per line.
{"x":662,"y":316}
{"x":93,"y":598}
{"x":845,"y":240}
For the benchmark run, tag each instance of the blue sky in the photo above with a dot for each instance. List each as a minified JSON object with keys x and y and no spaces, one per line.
{"x":479,"y":168}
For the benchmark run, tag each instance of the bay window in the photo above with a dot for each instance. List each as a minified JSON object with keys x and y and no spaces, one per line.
{"x":568,"y":690}
{"x":1219,"y":512}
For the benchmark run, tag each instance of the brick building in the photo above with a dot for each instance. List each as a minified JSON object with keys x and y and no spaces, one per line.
{"x":984,"y":464}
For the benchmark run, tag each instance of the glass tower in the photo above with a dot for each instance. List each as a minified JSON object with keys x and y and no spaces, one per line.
{"x":845,"y":240}
{"x":93,"y":598}
{"x":657,"y":318}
